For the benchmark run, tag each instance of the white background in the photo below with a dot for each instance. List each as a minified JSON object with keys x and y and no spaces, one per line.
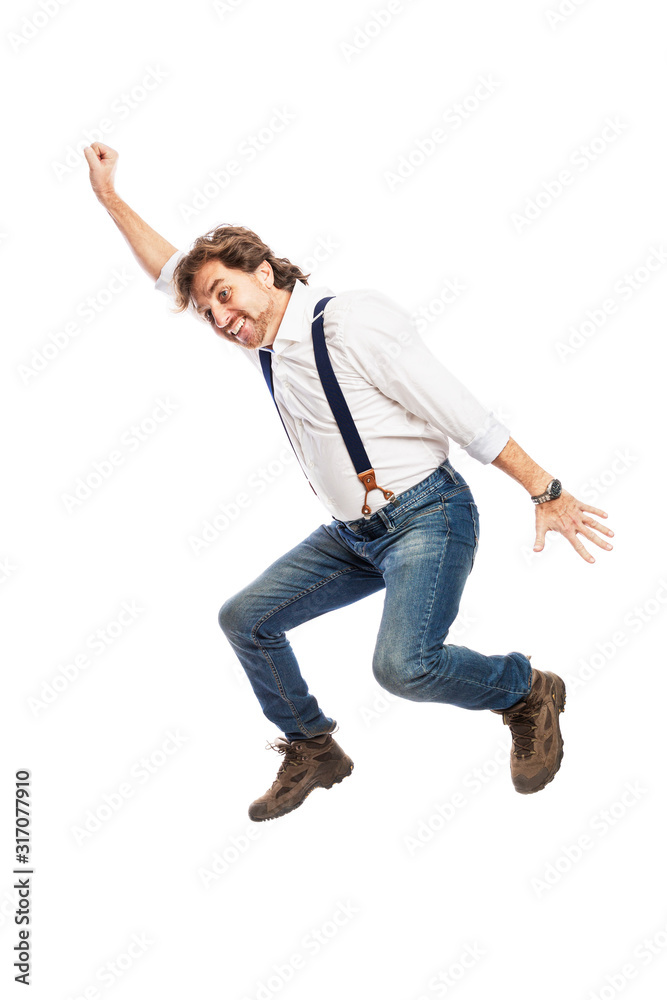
{"x":414,"y":862}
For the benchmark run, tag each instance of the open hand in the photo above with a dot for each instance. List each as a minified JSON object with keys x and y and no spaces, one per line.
{"x":570,"y":517}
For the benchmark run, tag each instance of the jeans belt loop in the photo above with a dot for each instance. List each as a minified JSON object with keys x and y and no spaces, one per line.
{"x":386,"y":518}
{"x":449,"y":472}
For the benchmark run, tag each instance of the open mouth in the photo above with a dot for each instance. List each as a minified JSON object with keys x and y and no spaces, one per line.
{"x":235,"y":331}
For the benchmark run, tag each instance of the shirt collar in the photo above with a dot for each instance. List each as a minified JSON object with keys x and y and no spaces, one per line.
{"x":298,"y":316}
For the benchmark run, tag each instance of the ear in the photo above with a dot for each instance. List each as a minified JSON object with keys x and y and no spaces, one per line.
{"x":265,"y":274}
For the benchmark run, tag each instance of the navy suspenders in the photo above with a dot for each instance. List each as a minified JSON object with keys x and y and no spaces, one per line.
{"x":339,"y":408}
{"x":265,"y":359}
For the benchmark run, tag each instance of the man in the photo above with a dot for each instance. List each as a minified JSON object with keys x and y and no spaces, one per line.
{"x":408,"y":524}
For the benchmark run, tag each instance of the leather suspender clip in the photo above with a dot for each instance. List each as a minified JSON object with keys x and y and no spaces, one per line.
{"x":368,"y":480}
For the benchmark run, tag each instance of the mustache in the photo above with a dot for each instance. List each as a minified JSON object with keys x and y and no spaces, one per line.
{"x":231,"y":326}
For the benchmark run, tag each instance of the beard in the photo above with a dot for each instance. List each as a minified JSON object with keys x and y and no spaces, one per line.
{"x":252,"y":336}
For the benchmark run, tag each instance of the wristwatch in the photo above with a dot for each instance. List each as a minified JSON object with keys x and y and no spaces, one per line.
{"x":552,"y":492}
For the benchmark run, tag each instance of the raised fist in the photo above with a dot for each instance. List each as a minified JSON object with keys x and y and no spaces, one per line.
{"x":102,"y":161}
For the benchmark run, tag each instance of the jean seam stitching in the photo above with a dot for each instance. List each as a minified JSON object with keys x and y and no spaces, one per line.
{"x":297,"y":597}
{"x":281,"y":692}
{"x":491,"y":687}
{"x":423,"y":513}
{"x":462,"y":488}
{"x":434,"y":590}
{"x":442,"y":493}
{"x":475,"y":529}
{"x":409,"y":504}
{"x":266,"y":654}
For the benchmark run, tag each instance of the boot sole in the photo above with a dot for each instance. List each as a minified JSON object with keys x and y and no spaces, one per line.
{"x":316,"y":784}
{"x":560,"y":705}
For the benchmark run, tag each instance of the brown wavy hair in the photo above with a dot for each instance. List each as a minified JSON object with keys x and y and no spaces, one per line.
{"x":237,"y":248}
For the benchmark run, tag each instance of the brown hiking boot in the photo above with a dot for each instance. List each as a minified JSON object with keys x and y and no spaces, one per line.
{"x":537,"y":744}
{"x":307,"y":764}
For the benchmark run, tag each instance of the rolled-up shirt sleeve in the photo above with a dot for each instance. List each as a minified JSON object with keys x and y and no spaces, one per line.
{"x":382,"y":344}
{"x":164,"y":282}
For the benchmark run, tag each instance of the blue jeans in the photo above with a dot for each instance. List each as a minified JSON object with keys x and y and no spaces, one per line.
{"x":420,"y":548}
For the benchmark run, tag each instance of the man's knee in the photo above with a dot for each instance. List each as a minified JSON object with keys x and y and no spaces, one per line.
{"x":394,"y":670}
{"x":232,"y":615}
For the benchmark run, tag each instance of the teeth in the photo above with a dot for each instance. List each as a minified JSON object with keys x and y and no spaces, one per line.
{"x":238,"y":327}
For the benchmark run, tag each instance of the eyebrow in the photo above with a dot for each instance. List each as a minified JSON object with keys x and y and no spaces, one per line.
{"x":210,"y":291}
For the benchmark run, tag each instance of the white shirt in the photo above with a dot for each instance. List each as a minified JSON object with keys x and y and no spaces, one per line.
{"x":405,"y":403}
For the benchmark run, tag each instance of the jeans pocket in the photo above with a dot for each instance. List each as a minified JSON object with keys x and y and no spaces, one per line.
{"x":428,"y":505}
{"x":454,"y":492}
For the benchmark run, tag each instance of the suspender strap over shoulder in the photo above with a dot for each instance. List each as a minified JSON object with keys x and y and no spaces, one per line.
{"x":265,"y":360}
{"x":339,"y":407}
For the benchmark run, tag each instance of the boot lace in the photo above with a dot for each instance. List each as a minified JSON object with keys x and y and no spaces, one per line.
{"x":291,"y":758}
{"x":522,"y":726}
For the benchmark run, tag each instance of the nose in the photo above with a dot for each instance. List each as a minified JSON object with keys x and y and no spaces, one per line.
{"x":221,"y":316}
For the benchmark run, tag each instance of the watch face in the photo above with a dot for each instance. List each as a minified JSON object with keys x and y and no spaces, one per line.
{"x":555,"y":489}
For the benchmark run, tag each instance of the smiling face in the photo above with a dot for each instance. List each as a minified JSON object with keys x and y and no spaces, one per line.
{"x":243,"y":308}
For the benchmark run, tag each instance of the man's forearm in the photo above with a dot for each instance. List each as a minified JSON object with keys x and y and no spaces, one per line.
{"x":151,"y":250}
{"x":516,"y":463}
